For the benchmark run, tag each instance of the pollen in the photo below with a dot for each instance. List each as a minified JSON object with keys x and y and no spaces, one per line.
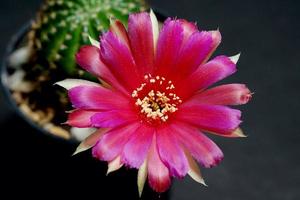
{"x":156,"y":98}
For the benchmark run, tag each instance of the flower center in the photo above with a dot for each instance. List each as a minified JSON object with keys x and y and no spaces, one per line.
{"x":156,"y":98}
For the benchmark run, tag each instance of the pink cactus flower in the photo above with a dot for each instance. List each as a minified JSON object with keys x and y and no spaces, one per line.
{"x":154,"y":103}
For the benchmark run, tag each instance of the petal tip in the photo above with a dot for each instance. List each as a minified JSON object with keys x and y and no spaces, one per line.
{"x":235,"y":58}
{"x":93,"y":42}
{"x":239,"y":133}
{"x":80,"y":149}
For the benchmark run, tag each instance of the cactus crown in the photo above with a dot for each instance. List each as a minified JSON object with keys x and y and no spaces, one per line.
{"x":62,"y":26}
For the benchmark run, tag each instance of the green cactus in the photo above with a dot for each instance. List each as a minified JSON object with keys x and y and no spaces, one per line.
{"x":62,"y":26}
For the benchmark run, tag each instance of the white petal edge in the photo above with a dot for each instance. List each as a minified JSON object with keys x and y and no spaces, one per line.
{"x":90,"y":141}
{"x":155,"y":29}
{"x":194,"y":170}
{"x":114,"y":165}
{"x":142,"y":176}
{"x":80,"y":134}
{"x":238,"y":133}
{"x":235,"y":58}
{"x":71,"y":83}
{"x":94,"y":42}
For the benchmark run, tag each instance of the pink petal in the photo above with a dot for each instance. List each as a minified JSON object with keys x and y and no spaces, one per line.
{"x":136,"y":149}
{"x":80,"y":118}
{"x":216,"y":38}
{"x":141,"y":39}
{"x":206,"y":75}
{"x":158,"y":173}
{"x":119,"y":60}
{"x":188,"y":29}
{"x":114,"y":118}
{"x":204,"y":150}
{"x":88,"y":58}
{"x":231,"y":94}
{"x":120,"y":31}
{"x":168,"y":46}
{"x":195,"y":50}
{"x":214,"y":118}
{"x":112,"y":143}
{"x":170,"y":152}
{"x":96,"y":98}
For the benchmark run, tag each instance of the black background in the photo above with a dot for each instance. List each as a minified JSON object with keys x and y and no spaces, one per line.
{"x":266,"y":165}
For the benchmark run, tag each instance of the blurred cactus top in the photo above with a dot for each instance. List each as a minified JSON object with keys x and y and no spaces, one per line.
{"x":62,"y":26}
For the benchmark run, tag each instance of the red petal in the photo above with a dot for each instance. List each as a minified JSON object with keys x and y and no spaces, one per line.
{"x":88,"y":58}
{"x":114,"y":118}
{"x":205,"y":151}
{"x":216,"y":38}
{"x":158,"y":173}
{"x":97,"y":98}
{"x":120,"y":31}
{"x":136,"y":149}
{"x":231,"y":94}
{"x":170,"y":152}
{"x":168,"y":46}
{"x":195,"y":50}
{"x":112,"y":143}
{"x":141,"y":40}
{"x":206,"y":75}
{"x":214,"y":118}
{"x":188,"y":29}
{"x":80,"y":118}
{"x":119,"y":60}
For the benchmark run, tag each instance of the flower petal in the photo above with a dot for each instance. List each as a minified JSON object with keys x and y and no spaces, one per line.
{"x":214,"y":118}
{"x":230,"y":94}
{"x":194,"y":51}
{"x":235,"y":58}
{"x":137,"y":147}
{"x":170,"y":152}
{"x":119,"y":30}
{"x":71,"y":83}
{"x":194,"y":170}
{"x":155,"y":29}
{"x":113,"y":118}
{"x":119,"y":60}
{"x":141,"y":39}
{"x":114,"y":165}
{"x":142,"y":176}
{"x":96,"y":98}
{"x":188,"y":29}
{"x":237,"y":133}
{"x":94,"y":42}
{"x":80,"y":118}
{"x":88,"y":58}
{"x":90,"y":141}
{"x":206,"y":75}
{"x":216,"y":38}
{"x":112,"y":143}
{"x":205,"y":151}
{"x":168,"y":46}
{"x":158,"y":173}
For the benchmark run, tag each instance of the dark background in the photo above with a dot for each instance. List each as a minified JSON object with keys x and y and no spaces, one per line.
{"x":266,"y":165}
